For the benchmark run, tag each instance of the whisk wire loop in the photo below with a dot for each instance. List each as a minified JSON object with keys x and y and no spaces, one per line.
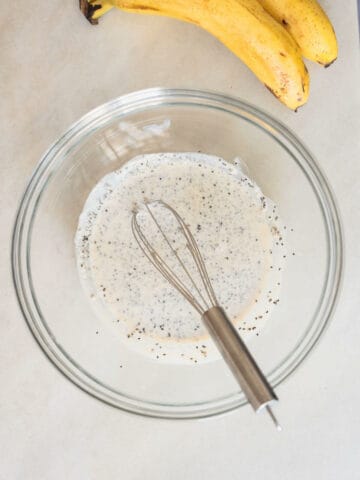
{"x":161,"y":265}
{"x":202,"y":304}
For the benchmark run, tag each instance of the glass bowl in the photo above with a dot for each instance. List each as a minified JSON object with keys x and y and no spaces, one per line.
{"x":163,"y":120}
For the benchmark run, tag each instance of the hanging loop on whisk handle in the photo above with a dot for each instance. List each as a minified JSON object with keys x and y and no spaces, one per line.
{"x":234,"y":351}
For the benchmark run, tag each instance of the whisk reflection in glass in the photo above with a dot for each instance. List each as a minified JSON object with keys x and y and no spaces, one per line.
{"x":200,"y":294}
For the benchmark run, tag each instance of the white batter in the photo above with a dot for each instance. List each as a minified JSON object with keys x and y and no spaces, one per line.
{"x":238,"y":232}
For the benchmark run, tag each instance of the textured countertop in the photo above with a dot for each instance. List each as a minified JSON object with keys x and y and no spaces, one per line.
{"x":54,"y":67}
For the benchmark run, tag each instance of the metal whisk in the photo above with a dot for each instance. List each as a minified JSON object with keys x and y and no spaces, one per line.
{"x":234,"y":351}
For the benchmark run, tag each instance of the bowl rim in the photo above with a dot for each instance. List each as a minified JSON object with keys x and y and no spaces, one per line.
{"x":127,"y":104}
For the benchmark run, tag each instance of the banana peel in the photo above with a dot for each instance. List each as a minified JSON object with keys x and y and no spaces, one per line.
{"x":307,"y":22}
{"x":244,"y":27}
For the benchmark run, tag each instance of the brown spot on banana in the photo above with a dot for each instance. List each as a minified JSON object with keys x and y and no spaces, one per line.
{"x":272,"y":91}
{"x":327,"y":65}
{"x":145,"y":8}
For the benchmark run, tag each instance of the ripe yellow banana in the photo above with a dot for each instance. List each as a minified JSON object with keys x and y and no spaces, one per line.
{"x":244,"y":27}
{"x":309,"y":25}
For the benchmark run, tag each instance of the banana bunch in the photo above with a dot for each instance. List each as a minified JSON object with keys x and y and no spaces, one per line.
{"x":269,"y":36}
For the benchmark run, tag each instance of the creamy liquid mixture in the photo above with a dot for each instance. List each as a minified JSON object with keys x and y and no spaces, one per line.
{"x":238,"y":231}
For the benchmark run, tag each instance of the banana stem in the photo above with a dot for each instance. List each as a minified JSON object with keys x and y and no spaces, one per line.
{"x":94,"y":9}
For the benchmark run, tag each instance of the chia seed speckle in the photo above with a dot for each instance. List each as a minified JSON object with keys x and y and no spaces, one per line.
{"x":244,"y":257}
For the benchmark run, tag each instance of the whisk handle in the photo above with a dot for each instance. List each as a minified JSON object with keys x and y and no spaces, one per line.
{"x":234,"y":351}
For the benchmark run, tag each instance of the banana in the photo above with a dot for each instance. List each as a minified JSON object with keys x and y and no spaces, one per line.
{"x":245,"y":28}
{"x":309,"y":25}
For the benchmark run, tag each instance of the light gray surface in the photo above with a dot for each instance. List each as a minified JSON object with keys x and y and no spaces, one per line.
{"x":54,"y":68}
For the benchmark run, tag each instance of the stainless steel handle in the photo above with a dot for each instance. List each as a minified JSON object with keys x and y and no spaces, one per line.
{"x":234,"y":351}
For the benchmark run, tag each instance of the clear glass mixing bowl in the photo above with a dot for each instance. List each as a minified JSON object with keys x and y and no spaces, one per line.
{"x":160,"y":120}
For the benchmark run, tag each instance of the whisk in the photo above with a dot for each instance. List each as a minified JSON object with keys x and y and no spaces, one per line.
{"x":234,"y":351}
